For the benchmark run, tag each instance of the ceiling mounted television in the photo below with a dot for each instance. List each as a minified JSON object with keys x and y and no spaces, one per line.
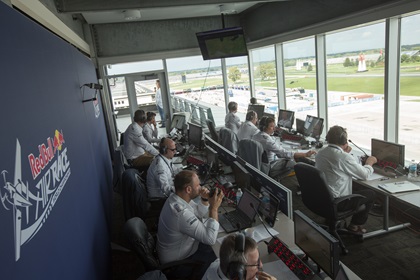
{"x":222,"y":43}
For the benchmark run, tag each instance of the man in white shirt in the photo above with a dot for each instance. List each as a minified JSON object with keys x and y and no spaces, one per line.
{"x":248,"y":128}
{"x":340,"y":167}
{"x":161,"y":173}
{"x":159,"y":104}
{"x":232,"y":121}
{"x":233,"y":263}
{"x":281,"y":161}
{"x":150,"y":131}
{"x":137,"y":150}
{"x":182,"y":232}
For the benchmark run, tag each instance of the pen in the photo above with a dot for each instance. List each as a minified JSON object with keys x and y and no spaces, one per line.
{"x":398,"y":183}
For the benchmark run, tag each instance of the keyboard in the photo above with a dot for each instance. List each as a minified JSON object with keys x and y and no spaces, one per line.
{"x":236,"y":218}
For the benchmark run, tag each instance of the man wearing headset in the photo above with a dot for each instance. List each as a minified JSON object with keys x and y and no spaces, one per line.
{"x":161,"y":173}
{"x":248,"y":128}
{"x":285,"y":159}
{"x":239,"y":259}
{"x":340,"y":167}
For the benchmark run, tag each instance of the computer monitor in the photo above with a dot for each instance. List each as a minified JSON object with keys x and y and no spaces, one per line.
{"x":286,"y":119}
{"x":195,"y":135}
{"x":178,"y":121}
{"x":242,"y":176}
{"x":320,"y":246}
{"x":269,"y":207}
{"x":212,"y":159}
{"x":224,"y":154}
{"x":313,"y":126}
{"x":259,"y":108}
{"x":388,"y":153}
{"x":300,"y":126}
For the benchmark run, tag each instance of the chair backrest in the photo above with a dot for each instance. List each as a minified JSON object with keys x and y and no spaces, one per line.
{"x":253,"y":152}
{"x":118,"y":169}
{"x":122,"y":138}
{"x":228,"y":139}
{"x":315,"y":192}
{"x":134,"y":194}
{"x":141,"y":242}
{"x":212,"y":129}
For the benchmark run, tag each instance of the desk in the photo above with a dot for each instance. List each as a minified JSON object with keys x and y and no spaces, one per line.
{"x":411,"y":198}
{"x":285,"y":227}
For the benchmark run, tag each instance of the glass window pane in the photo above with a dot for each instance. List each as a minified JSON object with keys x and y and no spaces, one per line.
{"x":355,"y":80}
{"x":199,"y":83}
{"x":300,"y":77}
{"x":265,"y":78}
{"x":409,"y":126}
{"x":134,"y":67}
{"x":238,"y":83}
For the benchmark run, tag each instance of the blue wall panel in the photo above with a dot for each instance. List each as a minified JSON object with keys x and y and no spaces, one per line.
{"x":55,"y":217}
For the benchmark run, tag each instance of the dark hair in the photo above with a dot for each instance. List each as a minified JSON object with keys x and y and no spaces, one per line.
{"x":337,"y":135}
{"x":227,"y":253}
{"x":183,"y":179}
{"x":232,"y":106}
{"x":265,"y":121}
{"x":150,"y":116}
{"x":253,"y":100}
{"x":139,"y":116}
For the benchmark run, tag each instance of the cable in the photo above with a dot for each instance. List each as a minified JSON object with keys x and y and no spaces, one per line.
{"x":259,"y":216}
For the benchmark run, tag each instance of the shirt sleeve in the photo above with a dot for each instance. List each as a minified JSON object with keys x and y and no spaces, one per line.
{"x":192,"y":226}
{"x":355,"y":169}
{"x":279,"y":151}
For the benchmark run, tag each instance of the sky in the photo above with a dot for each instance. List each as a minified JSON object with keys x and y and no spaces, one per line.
{"x":366,"y":37}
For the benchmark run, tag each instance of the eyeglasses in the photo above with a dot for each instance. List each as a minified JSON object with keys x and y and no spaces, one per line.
{"x":173,"y":150}
{"x":257,"y":265}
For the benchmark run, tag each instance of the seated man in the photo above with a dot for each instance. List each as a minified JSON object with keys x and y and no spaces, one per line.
{"x":248,"y":128}
{"x":285,"y":159}
{"x":339,"y":168}
{"x":150,"y":131}
{"x":137,"y":150}
{"x":234,"y":264}
{"x":161,"y":173}
{"x":182,"y":232}
{"x":232,"y":121}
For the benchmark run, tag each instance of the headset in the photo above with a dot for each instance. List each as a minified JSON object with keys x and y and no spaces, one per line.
{"x":237,"y":266}
{"x":263,"y":123}
{"x":338,"y":135}
{"x":162,"y":147}
{"x":342,"y":139}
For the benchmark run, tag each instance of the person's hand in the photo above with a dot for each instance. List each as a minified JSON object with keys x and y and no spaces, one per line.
{"x":154,"y":123}
{"x":216,"y":199}
{"x":204,"y":192}
{"x":371,"y":160}
{"x":265,"y":276}
{"x":310,"y":153}
{"x":347,"y":148}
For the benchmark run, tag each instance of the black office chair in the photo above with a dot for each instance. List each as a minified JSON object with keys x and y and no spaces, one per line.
{"x":212,"y":129}
{"x":318,"y":198}
{"x":144,"y":245}
{"x":136,"y":202}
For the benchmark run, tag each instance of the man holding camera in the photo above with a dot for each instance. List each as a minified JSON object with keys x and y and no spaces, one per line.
{"x":182,"y":231}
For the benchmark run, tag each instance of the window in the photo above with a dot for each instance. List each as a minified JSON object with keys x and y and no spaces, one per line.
{"x":409,"y":127}
{"x":355,"y":81}
{"x":238,"y":83}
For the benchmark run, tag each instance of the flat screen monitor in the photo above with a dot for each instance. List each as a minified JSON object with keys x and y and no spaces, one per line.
{"x":242,"y":176}
{"x":222,"y":43}
{"x":388,"y":153}
{"x":313,"y":126}
{"x":178,"y":121}
{"x":286,"y":119}
{"x":300,"y":126}
{"x":269,"y":207}
{"x":195,"y":134}
{"x":257,"y":108}
{"x":224,"y":154}
{"x":320,"y":246}
{"x":212,"y":159}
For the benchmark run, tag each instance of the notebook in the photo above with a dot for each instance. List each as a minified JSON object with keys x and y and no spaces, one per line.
{"x":398,"y":187}
{"x":179,"y":160}
{"x":243,"y":216}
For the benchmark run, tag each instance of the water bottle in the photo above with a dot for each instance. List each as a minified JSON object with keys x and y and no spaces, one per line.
{"x":238,"y":195}
{"x":412,"y":169}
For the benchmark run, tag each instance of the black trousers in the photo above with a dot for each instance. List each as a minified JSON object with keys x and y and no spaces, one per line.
{"x":361,"y":217}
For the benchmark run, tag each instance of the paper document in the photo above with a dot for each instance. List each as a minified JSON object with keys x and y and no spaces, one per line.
{"x":397,"y":187}
{"x":259,"y":234}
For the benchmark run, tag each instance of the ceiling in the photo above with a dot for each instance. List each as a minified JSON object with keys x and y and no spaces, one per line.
{"x":112,"y":11}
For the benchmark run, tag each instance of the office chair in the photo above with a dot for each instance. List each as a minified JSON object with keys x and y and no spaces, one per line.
{"x":317,"y":197}
{"x":135,"y":200}
{"x":253,"y":153}
{"x":122,"y":138}
{"x":228,"y":139}
{"x":119,"y":165}
{"x":144,"y":245}
{"x":212,"y":129}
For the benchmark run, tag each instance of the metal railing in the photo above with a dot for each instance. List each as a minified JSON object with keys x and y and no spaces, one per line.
{"x":199,"y":113}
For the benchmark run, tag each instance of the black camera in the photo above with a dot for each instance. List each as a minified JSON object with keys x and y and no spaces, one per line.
{"x":213,"y":191}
